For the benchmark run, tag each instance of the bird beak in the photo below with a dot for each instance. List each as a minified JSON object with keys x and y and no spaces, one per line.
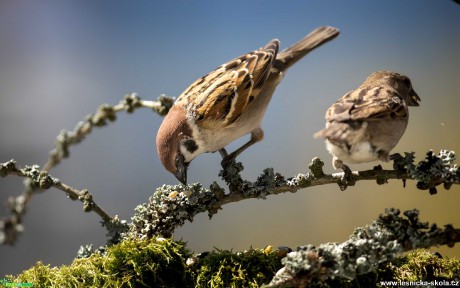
{"x":181,"y":170}
{"x":414,"y":99}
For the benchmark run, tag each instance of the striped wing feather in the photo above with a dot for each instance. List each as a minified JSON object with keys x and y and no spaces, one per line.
{"x":370,"y":104}
{"x":224,"y":94}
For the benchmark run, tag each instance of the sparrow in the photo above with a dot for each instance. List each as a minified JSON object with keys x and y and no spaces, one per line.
{"x":367,"y":123}
{"x":228,"y":103}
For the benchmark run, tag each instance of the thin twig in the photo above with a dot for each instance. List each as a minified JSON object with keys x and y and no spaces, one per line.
{"x":105,"y":113}
{"x":11,"y":226}
{"x":42,"y":180}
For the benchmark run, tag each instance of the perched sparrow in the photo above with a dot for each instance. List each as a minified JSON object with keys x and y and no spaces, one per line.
{"x":228,"y":103}
{"x":365,"y":124}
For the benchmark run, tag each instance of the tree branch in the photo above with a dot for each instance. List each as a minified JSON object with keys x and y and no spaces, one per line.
{"x":104,"y":114}
{"x":170,"y":206}
{"x":40,"y":179}
{"x":383,"y":240}
{"x":11,"y":226}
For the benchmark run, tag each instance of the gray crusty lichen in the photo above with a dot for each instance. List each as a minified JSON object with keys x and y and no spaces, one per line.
{"x":261,"y":188}
{"x":433,"y":171}
{"x":367,"y":249}
{"x":169,"y":207}
{"x":161,"y":262}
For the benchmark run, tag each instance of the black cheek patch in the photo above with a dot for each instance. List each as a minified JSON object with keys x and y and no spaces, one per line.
{"x":190,"y":145}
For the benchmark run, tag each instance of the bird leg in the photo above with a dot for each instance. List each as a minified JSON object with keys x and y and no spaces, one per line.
{"x":398,"y":165}
{"x":223,"y":153}
{"x":347,"y":178}
{"x":256,"y":136}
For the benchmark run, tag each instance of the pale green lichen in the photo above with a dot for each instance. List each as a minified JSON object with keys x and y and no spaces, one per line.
{"x":166,"y":104}
{"x":433,"y":171}
{"x":40,"y":179}
{"x":116,"y":231}
{"x":7,"y":167}
{"x":366,"y":250}
{"x":168,"y":208}
{"x":264,"y":185}
{"x":316,"y":167}
{"x":171,"y":205}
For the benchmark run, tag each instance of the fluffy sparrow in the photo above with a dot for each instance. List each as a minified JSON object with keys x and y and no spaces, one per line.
{"x":366,"y":123}
{"x":228,"y":103}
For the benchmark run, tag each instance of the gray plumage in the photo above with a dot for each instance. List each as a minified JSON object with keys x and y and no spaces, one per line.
{"x":367,"y":123}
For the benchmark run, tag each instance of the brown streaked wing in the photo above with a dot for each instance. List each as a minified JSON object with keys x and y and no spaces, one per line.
{"x":375,"y":104}
{"x":251,"y":79}
{"x":224,"y":94}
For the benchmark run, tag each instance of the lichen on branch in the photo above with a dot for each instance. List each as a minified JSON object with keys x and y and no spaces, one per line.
{"x":36,"y":180}
{"x":368,"y":247}
{"x":171,"y":205}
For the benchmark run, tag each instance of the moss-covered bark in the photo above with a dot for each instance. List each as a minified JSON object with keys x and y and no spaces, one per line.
{"x":165,"y":263}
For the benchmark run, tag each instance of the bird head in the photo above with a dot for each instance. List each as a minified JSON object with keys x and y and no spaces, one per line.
{"x":400,"y":82}
{"x":174,"y":141}
{"x":412,"y":96}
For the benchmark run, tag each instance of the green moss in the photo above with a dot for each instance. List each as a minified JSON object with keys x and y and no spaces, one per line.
{"x":418,"y":265}
{"x":422,"y":264}
{"x":157,"y":263}
{"x":161,"y":263}
{"x":244,"y":269}
{"x":132,"y":263}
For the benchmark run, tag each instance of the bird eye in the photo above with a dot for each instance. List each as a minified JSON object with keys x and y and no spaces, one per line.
{"x":407,"y":82}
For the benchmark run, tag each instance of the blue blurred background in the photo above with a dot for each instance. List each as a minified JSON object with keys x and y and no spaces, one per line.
{"x":59,"y":60}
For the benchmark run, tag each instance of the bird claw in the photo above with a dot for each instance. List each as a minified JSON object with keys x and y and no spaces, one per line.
{"x":348,"y":175}
{"x":227,"y":161}
{"x":398,"y":165}
{"x":347,"y":178}
{"x":230,"y":173}
{"x":396,"y":157}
